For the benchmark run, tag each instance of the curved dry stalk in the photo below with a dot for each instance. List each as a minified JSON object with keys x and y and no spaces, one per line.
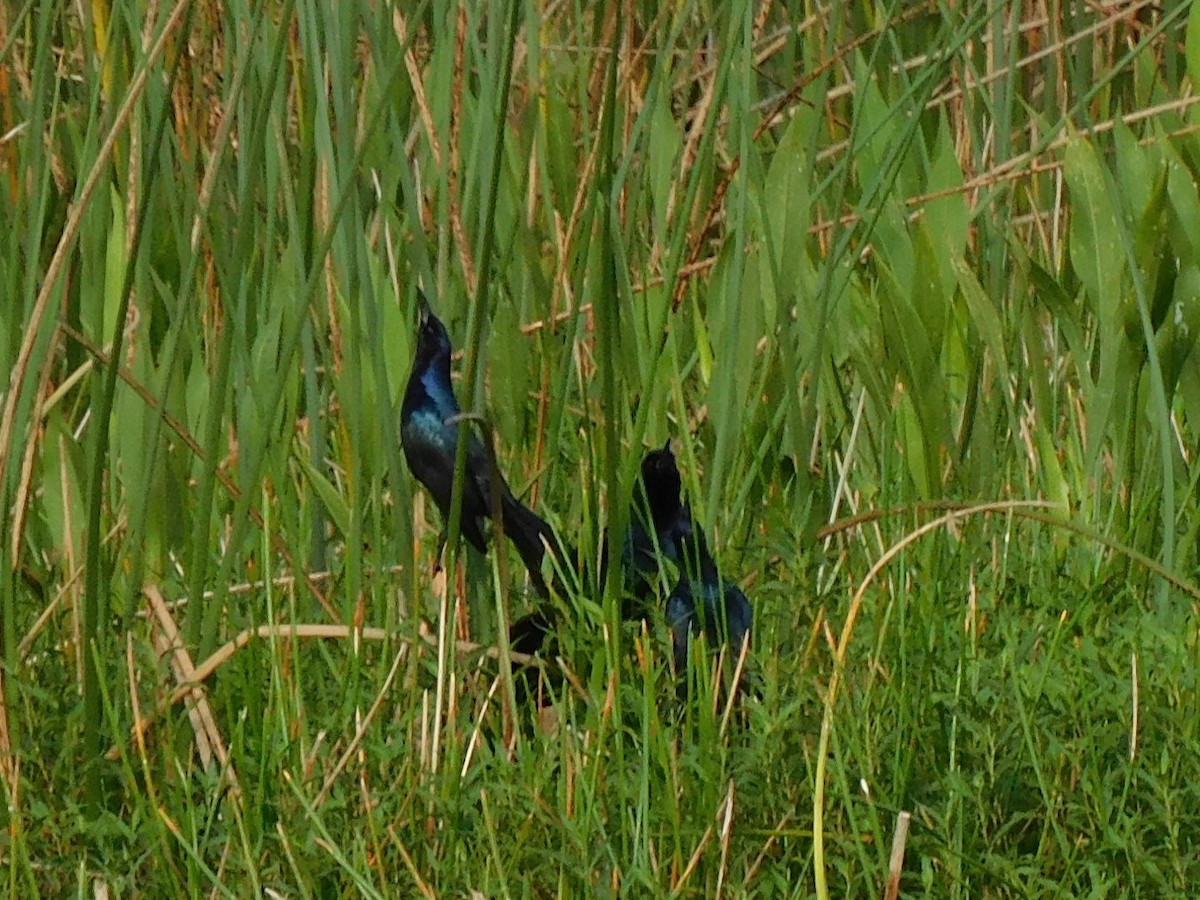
{"x":1036,"y":510}
{"x":191,"y":677}
{"x":840,"y":657}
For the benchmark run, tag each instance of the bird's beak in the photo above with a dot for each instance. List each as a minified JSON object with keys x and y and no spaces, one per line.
{"x":423,"y":310}
{"x":667,"y":447}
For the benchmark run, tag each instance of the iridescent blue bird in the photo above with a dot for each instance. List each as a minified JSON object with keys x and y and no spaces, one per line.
{"x":705,"y":603}
{"x":429,"y":432}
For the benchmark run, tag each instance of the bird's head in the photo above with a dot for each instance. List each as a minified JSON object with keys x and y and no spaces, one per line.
{"x":432,"y":338}
{"x":661,"y":478}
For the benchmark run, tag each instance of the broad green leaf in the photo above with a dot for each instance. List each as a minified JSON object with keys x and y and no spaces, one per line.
{"x":786,"y":202}
{"x":947,"y":217}
{"x":984,"y":317}
{"x":114,"y":267}
{"x":913,"y":444}
{"x":197,"y":387}
{"x":1184,"y":207}
{"x":335,"y":504}
{"x":875,"y":125}
{"x":930,"y":291}
{"x":62,"y":485}
{"x":869,"y":357}
{"x":560,"y":161}
{"x":396,"y":321}
{"x":1066,"y":315}
{"x":129,"y":437}
{"x":1188,"y":387}
{"x":1054,"y":484}
{"x":662,"y":169}
{"x":1121,"y":365}
{"x":1137,"y":171}
{"x":1045,"y":411}
{"x":1096,"y":253}
{"x":908,"y":346}
{"x":1192,"y":42}
{"x":510,"y":353}
{"x":1176,"y":339}
{"x":893,"y":243}
{"x":1099,"y":260}
{"x":1144,"y":179}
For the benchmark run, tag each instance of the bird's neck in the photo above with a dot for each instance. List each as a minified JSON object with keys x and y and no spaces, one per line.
{"x":664,"y":503}
{"x":699,"y":564}
{"x":437,"y":372}
{"x":430,"y":384}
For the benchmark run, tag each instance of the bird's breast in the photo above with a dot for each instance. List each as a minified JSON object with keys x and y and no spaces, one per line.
{"x":426,"y":428}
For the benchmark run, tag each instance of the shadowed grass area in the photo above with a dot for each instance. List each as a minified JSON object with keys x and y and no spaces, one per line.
{"x":912,"y":288}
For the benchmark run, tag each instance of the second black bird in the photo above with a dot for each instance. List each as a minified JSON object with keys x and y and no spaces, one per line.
{"x":705,"y":603}
{"x":659,"y":523}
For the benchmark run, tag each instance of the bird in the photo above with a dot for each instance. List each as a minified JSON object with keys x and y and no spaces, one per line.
{"x":659,"y":522}
{"x":528,"y":634}
{"x":430,"y":426}
{"x":703,"y":602}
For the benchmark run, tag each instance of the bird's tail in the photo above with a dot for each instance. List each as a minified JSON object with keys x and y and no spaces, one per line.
{"x":532,"y":535}
{"x":529,"y":633}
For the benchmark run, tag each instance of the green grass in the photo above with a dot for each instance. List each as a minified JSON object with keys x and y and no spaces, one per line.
{"x":913,"y":287}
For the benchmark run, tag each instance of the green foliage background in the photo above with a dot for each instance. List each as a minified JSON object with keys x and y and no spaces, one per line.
{"x":886,"y":274}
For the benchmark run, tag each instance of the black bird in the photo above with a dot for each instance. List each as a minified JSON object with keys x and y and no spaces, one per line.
{"x":703,"y":601}
{"x":429,"y":432}
{"x":659,"y":523}
{"x":528,"y":633}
